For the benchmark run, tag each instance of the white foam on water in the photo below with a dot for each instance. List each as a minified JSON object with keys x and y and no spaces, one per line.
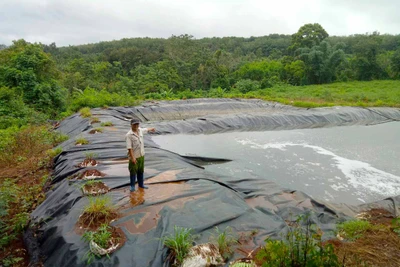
{"x":362,"y":176}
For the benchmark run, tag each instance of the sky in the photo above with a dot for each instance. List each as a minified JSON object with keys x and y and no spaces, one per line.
{"x":73,"y":22}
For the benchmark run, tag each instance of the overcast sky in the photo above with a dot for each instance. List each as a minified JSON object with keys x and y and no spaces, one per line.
{"x":71,"y":22}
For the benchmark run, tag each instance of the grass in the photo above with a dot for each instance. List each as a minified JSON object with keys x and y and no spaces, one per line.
{"x":101,"y":237}
{"x":224,"y":240}
{"x":98,"y":129}
{"x":90,"y":155}
{"x":107,"y":124}
{"x":364,"y":94}
{"x":179,"y":243}
{"x":81,"y":140}
{"x":353,"y":230}
{"x":94,"y":120}
{"x":99,"y":210}
{"x":85,"y":112}
{"x":355,"y":93}
{"x":91,"y":182}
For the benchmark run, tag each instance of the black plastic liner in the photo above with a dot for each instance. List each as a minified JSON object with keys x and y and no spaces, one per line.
{"x":181,"y":192}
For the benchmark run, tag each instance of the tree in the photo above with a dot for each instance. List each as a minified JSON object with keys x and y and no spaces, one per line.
{"x":33,"y":75}
{"x":366,"y":57}
{"x":322,"y":62}
{"x":395,"y":63}
{"x":308,"y":35}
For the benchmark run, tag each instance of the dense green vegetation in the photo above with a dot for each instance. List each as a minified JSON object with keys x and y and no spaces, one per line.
{"x":44,"y":81}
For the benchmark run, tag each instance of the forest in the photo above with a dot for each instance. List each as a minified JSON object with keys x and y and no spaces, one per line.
{"x":56,"y":81}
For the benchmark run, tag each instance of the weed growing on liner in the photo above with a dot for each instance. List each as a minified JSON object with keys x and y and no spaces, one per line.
{"x":85,"y":112}
{"x":106,"y":124}
{"x":81,"y":141}
{"x":99,"y":210}
{"x":224,"y":240}
{"x":179,"y":243}
{"x":102,"y":237}
{"x":90,"y":155}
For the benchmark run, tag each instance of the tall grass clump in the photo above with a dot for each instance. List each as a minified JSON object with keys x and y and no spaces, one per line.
{"x":179,"y":243}
{"x":224,"y":240}
{"x":101,"y":237}
{"x":81,"y":141}
{"x":99,"y":210}
{"x":85,"y":112}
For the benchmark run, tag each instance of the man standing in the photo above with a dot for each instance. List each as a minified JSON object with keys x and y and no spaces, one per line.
{"x":135,"y":146}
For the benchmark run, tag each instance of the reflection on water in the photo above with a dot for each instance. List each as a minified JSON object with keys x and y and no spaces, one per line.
{"x":137,"y":197}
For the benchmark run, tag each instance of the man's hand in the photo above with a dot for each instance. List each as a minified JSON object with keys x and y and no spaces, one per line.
{"x":151,"y":130}
{"x":134,"y":161}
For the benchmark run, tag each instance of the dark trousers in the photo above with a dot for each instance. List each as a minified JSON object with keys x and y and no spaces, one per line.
{"x":136,"y":170}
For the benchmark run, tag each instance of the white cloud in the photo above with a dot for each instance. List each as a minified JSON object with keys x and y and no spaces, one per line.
{"x":85,"y":21}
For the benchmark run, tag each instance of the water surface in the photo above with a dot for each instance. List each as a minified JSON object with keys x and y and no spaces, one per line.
{"x":353,"y":165}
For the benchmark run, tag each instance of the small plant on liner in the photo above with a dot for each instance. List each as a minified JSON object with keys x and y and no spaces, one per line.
{"x":179,"y":243}
{"x":90,"y":155}
{"x":224,"y":240}
{"x":81,"y":141}
{"x":99,"y":209}
{"x":106,"y":124}
{"x":98,"y":129}
{"x":102,"y":239}
{"x":85,"y":112}
{"x":94,"y":120}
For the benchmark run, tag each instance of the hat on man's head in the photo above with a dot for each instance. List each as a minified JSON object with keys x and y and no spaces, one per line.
{"x":135,"y":121}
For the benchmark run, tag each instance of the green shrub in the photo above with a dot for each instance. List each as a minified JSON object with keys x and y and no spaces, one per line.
{"x":216,"y":92}
{"x":301,"y":246}
{"x":247,"y":85}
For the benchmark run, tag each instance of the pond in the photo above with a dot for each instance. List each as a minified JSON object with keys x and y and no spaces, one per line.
{"x":352,"y":165}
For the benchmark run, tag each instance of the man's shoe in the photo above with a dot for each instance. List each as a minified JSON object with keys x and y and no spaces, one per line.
{"x":132,"y":189}
{"x":144,"y":187}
